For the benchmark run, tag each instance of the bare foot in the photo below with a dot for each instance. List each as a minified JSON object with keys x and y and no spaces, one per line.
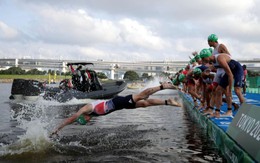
{"x":196,"y":104}
{"x":201,"y":106}
{"x":228,"y":113}
{"x":208,"y":112}
{"x":215,"y":115}
{"x":172,"y":102}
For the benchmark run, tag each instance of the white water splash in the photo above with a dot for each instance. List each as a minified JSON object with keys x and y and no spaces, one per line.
{"x":155,"y":82}
{"x":33,"y":120}
{"x":37,"y":119}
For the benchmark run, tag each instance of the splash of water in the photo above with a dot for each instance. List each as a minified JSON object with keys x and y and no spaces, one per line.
{"x":156,"y":81}
{"x":36,"y":119}
{"x":32,"y":119}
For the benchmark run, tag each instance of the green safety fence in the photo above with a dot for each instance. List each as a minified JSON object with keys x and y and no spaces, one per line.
{"x":253,"y":84}
{"x":227,"y":146}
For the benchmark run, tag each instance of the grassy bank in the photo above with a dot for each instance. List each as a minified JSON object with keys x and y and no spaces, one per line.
{"x":9,"y":78}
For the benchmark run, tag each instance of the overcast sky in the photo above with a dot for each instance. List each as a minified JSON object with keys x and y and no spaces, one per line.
{"x":126,"y":30}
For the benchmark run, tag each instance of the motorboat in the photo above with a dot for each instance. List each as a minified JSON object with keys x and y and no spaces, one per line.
{"x":84,"y":84}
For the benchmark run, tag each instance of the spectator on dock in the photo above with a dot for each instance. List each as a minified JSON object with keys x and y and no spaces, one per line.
{"x":244,"y":84}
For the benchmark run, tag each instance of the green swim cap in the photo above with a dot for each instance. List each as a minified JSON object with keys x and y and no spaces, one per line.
{"x":204,"y":53}
{"x":197,"y":71}
{"x":192,"y":60}
{"x":181,"y":77}
{"x":81,"y":120}
{"x":175,"y":82}
{"x":213,"y":38}
{"x":197,"y":57}
{"x":211,"y":50}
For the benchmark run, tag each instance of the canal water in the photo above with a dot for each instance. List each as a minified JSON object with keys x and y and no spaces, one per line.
{"x":152,"y":134}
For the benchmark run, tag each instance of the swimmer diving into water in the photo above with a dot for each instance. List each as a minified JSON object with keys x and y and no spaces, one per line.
{"x":132,"y":101}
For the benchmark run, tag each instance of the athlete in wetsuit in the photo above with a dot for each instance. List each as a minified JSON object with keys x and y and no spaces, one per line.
{"x":102,"y":107}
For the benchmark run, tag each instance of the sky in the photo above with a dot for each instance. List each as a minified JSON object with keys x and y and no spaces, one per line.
{"x":126,"y":30}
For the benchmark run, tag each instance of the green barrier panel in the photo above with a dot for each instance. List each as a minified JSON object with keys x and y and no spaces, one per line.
{"x":227,"y":146}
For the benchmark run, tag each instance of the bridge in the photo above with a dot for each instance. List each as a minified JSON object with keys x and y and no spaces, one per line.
{"x":113,"y":69}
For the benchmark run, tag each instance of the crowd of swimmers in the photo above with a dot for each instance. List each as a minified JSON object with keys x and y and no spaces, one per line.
{"x":209,"y":78}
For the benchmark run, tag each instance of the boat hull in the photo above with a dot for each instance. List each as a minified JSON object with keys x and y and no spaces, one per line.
{"x":22,"y":89}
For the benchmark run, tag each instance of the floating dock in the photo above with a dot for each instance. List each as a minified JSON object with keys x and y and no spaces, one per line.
{"x":237,"y":137}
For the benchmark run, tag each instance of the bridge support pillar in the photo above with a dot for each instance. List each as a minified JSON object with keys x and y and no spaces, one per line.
{"x":16,"y":63}
{"x":112,"y":74}
{"x":63,"y":67}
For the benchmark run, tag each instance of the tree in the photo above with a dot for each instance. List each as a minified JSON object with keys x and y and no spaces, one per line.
{"x":131,"y":75}
{"x":101,"y":75}
{"x":34,"y":72}
{"x":14,"y":70}
{"x":145,"y":75}
{"x":253,"y":73}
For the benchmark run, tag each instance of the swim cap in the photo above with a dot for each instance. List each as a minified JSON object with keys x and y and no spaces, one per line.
{"x":81,"y":120}
{"x":211,"y":50}
{"x":197,"y":57}
{"x":213,"y":38}
{"x":175,"y":82}
{"x":181,"y":77}
{"x":204,"y":53}
{"x":192,"y":60}
{"x":197,"y":71}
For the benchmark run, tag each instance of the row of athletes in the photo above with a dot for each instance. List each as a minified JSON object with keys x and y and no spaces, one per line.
{"x":211,"y":74}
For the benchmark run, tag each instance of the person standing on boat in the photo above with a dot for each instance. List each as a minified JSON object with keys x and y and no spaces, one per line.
{"x":76,"y":76}
{"x":104,"y":107}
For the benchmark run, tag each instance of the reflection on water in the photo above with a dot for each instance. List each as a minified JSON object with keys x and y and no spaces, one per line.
{"x":154,"y":134}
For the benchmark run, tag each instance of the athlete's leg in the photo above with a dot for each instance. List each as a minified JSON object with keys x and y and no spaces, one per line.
{"x":149,"y":91}
{"x":154,"y":102}
{"x":212,"y":102}
{"x":239,"y":94}
{"x":218,"y":100}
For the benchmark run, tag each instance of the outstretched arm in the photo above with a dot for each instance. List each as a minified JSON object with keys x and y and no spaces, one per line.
{"x":85,"y":109}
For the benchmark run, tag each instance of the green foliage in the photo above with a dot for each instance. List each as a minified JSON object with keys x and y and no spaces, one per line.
{"x":35,"y":77}
{"x":13,"y":70}
{"x":66,"y":73}
{"x":253,"y":73}
{"x":52,"y":72}
{"x":101,"y":75}
{"x":150,"y":78}
{"x":35,"y":72}
{"x":145,"y":75}
{"x":165,"y":74}
{"x":131,"y":75}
